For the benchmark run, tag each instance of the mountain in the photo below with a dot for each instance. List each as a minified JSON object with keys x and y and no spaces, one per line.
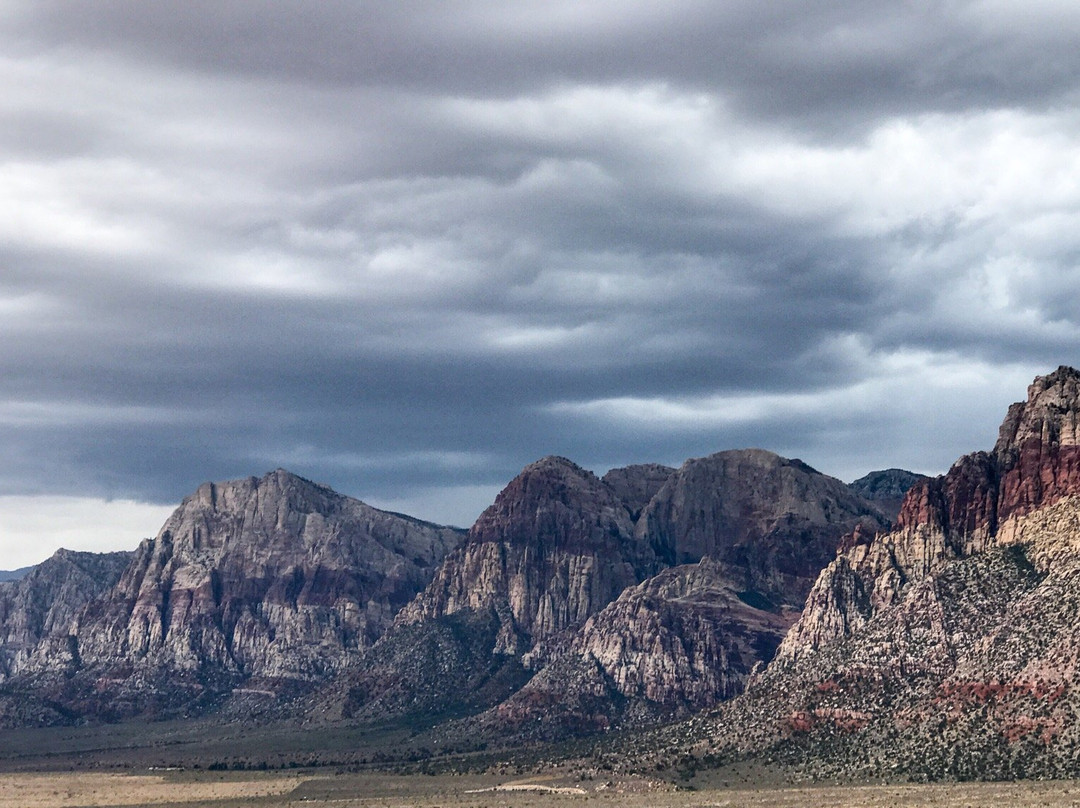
{"x":568,"y":586}
{"x":556,"y":546}
{"x":47,"y":597}
{"x":773,"y":522}
{"x":13,"y":575}
{"x":947,"y":648}
{"x":636,"y":485}
{"x":252,"y":585}
{"x":886,"y":488}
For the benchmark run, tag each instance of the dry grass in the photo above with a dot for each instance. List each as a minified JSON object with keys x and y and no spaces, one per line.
{"x":102,"y":789}
{"x":386,"y":791}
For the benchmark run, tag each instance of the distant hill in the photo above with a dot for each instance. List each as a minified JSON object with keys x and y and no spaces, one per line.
{"x":14,"y":575}
{"x":886,"y":488}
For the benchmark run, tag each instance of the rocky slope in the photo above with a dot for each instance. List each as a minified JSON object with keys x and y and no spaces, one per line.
{"x":46,"y":598}
{"x":556,"y":547}
{"x":773,"y":522}
{"x":636,"y":485}
{"x":250,"y":584}
{"x":886,"y":488}
{"x":948,"y":647}
{"x":677,"y":643}
{"x":580,"y":595}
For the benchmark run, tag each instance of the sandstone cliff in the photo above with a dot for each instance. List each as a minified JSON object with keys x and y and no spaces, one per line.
{"x":556,"y":546}
{"x":46,"y":598}
{"x":948,"y":647}
{"x":269,"y":579}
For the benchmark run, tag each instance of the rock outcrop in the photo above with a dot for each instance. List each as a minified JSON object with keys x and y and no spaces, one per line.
{"x":886,"y":488}
{"x":677,"y":643}
{"x":555,"y":548}
{"x":46,"y":598}
{"x":949,"y":646}
{"x":254,"y":583}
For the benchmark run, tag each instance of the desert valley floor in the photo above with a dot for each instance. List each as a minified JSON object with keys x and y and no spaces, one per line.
{"x":273,"y":790}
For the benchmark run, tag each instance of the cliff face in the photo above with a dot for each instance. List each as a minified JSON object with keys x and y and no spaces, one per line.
{"x":948,"y":647}
{"x":636,"y":485}
{"x":46,"y":598}
{"x":886,"y":488}
{"x":581,"y":597}
{"x":555,"y":547}
{"x":775,"y":522}
{"x":680,"y":641}
{"x":981,"y":501}
{"x":272,"y":578}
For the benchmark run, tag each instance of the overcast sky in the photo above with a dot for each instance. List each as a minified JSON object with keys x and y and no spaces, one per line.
{"x":407,"y":248}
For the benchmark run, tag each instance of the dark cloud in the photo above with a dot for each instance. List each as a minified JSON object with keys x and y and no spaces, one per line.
{"x":407,"y":251}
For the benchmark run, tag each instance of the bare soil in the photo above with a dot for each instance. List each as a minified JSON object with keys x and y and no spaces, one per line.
{"x":274,"y":790}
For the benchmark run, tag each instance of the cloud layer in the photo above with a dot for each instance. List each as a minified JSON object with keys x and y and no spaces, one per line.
{"x":406,"y":250}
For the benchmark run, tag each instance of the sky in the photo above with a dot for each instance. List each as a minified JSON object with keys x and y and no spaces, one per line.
{"x":405,"y":249}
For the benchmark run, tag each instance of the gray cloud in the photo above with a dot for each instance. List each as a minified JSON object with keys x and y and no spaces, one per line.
{"x":406,"y":253}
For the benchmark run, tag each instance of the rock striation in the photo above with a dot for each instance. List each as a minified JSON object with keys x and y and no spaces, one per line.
{"x":45,"y":599}
{"x":556,"y":546}
{"x":250,"y":585}
{"x":946,"y":648}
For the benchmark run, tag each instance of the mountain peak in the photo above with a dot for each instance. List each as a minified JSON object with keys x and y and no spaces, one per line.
{"x":1051,"y":414}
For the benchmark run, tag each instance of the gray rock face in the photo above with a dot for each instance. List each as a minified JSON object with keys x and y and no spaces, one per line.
{"x":679,"y":642}
{"x":886,"y":488}
{"x":46,"y":598}
{"x":687,"y":637}
{"x":775,"y":522}
{"x":636,"y":485}
{"x":555,"y":547}
{"x":272,"y":578}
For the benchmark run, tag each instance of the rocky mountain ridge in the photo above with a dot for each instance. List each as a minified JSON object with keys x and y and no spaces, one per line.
{"x":948,"y":646}
{"x":250,"y":585}
{"x":586,"y":597}
{"x":886,"y":488}
{"x":562,"y":610}
{"x":45,"y":600}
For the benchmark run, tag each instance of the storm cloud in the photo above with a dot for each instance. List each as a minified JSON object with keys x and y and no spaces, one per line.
{"x":405,"y":249}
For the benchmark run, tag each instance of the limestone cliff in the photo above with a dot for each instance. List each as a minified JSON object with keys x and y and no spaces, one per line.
{"x":556,"y":546}
{"x":273,"y":578}
{"x":46,"y":598}
{"x":773,"y":522}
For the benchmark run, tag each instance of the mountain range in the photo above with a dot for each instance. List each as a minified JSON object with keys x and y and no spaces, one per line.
{"x":897,"y":625}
